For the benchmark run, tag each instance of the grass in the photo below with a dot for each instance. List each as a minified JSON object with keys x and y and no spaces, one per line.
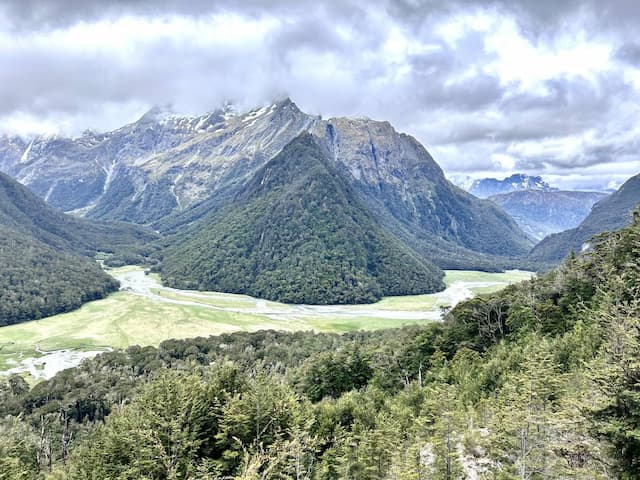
{"x":222,"y":300}
{"x":124,"y":319}
{"x":508,"y":277}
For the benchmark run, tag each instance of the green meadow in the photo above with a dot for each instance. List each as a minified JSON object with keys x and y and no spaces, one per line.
{"x":126,"y":318}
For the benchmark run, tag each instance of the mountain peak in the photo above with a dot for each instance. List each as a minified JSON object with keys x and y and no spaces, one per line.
{"x":156,"y":114}
{"x":487,"y":187}
{"x":298,"y":233}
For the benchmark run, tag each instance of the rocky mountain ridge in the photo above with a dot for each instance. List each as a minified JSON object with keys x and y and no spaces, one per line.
{"x":540,"y":213}
{"x":487,"y":187}
{"x":167,"y":170}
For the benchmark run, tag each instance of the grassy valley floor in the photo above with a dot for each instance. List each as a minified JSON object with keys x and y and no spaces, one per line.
{"x":146,"y":313}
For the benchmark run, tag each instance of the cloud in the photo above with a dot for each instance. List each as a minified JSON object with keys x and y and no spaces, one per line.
{"x":487,"y":85}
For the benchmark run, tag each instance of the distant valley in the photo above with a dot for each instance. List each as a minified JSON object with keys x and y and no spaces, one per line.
{"x":608,"y":215}
{"x":543,"y":212}
{"x":286,"y":206}
{"x":201,"y":182}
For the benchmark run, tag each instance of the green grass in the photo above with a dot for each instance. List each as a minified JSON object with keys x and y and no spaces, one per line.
{"x":125,"y":319}
{"x":511,"y":276}
{"x":222,"y":300}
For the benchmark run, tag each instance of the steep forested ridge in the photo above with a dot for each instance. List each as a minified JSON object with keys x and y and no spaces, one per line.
{"x":609,"y":214}
{"x":297,"y":233}
{"x":44,"y":263}
{"x":24,"y":212}
{"x":538,"y":381}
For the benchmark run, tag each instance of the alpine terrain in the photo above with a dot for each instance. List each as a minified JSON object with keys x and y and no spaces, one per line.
{"x":168,"y":171}
{"x":611,"y":213}
{"x":540,"y":213}
{"x":487,"y":187}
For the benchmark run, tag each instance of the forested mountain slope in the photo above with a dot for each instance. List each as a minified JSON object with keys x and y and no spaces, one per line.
{"x":536,"y":381}
{"x":45,"y":264}
{"x":609,"y":214}
{"x":167,"y":170}
{"x":297,"y":233}
{"x":23,"y":211}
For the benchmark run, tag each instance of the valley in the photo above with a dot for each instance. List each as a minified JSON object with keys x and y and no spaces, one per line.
{"x":144,"y":312}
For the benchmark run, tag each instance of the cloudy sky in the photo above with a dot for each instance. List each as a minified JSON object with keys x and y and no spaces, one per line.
{"x":490,"y":87}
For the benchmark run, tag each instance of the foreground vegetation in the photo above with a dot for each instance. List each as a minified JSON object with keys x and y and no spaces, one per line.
{"x":537,"y":381}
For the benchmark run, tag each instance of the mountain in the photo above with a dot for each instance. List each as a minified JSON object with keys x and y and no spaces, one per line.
{"x":297,"y":233}
{"x":609,"y":214}
{"x":160,"y":163}
{"x":168,"y":170}
{"x":45,"y":267}
{"x":540,"y":213}
{"x":539,"y":377}
{"x":24,"y":212}
{"x":518,"y":181}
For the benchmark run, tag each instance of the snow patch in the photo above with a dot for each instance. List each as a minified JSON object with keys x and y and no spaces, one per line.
{"x":25,"y":156}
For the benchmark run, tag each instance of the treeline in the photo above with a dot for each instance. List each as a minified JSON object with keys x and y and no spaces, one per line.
{"x":538,"y":381}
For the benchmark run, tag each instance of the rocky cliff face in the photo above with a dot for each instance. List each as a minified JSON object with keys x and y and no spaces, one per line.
{"x":163,"y":166}
{"x":540,"y":213}
{"x":154,"y":166}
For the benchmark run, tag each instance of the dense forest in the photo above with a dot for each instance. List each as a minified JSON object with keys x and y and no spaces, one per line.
{"x":38,"y":281}
{"x":537,"y":381}
{"x":47,"y":256}
{"x":297,"y":233}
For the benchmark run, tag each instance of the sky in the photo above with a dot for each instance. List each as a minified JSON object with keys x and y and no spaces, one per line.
{"x":490,"y":87}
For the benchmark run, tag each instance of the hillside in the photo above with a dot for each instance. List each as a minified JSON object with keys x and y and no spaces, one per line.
{"x":25,"y":212}
{"x":487,"y":187}
{"x":540,"y":213}
{"x":297,"y":233}
{"x":611,"y":213}
{"x":45,"y":262}
{"x":169,"y":170}
{"x":536,"y":381}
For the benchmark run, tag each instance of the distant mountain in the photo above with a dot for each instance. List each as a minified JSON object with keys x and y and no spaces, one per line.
{"x":297,"y":233}
{"x":540,"y":213}
{"x":609,"y":214}
{"x":519,"y":181}
{"x":44,"y":267}
{"x":168,"y":171}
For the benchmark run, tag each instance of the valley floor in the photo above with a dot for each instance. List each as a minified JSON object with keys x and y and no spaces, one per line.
{"x":145,"y":313}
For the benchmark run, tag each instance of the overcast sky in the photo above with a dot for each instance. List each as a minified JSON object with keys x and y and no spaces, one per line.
{"x":490,"y":87}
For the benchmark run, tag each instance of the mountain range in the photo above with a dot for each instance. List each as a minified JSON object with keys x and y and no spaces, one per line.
{"x":168,"y":171}
{"x":487,"y":187}
{"x":609,"y":214}
{"x":278,"y":204}
{"x":540,"y":213}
